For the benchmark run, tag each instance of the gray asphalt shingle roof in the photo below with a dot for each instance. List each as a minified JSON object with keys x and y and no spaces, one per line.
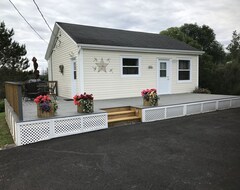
{"x":113,"y":37}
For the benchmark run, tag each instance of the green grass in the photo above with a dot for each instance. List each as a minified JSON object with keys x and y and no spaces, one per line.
{"x":5,"y":136}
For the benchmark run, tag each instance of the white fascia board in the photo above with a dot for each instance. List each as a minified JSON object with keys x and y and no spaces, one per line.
{"x":52,"y":41}
{"x":136,"y":49}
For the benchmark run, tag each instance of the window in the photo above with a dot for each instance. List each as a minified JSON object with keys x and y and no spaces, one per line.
{"x":130,"y":66}
{"x":184,"y":70}
{"x":74,"y":70}
{"x":163,"y":69}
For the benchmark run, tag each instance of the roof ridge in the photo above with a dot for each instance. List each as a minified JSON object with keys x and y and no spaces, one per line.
{"x":117,"y":29}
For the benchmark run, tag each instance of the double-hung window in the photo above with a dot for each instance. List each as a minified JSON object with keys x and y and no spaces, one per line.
{"x":184,"y":70}
{"x":130,"y":67}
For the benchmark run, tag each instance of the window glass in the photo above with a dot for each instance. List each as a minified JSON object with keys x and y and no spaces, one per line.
{"x":184,"y":64}
{"x":163,"y":69}
{"x":163,"y":65}
{"x":130,"y":66}
{"x":184,"y":70}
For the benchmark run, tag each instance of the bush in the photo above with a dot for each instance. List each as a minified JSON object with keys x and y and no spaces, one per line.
{"x":202,"y":91}
{"x":2,"y":107}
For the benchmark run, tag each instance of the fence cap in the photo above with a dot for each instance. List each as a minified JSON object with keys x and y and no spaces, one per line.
{"x":14,"y":83}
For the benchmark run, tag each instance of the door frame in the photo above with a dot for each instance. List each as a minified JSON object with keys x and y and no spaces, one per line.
{"x":169,"y":72}
{"x":73,"y":81}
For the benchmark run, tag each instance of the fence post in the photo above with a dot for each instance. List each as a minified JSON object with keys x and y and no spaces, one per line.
{"x":20,"y":108}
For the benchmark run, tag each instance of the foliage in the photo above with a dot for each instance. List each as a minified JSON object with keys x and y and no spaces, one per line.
{"x":12,"y":61}
{"x":202,"y":91}
{"x":2,"y":107}
{"x":234,"y":47}
{"x":85,"y":100}
{"x":11,"y":52}
{"x":5,"y":136}
{"x":45,"y":103}
{"x":44,"y":76}
{"x":226,"y":79}
{"x":218,"y":71}
{"x":150,"y":95}
{"x":200,"y":37}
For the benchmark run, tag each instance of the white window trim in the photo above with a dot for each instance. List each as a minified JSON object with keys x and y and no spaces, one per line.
{"x":190,"y":69}
{"x":139,"y":66}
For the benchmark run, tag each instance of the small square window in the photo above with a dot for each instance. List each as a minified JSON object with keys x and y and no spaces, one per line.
{"x":130,"y":66}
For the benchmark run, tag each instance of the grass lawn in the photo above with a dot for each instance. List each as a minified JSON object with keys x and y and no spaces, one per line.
{"x":5,"y":136}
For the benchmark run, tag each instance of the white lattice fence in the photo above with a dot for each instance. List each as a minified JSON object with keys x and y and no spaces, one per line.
{"x":11,"y":119}
{"x":35,"y":131}
{"x":166,"y":112}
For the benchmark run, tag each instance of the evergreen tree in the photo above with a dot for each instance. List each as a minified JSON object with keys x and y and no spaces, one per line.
{"x":234,"y":47}
{"x":11,"y":52}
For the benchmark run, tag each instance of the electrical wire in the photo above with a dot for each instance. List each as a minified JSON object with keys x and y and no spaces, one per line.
{"x":42,"y":15}
{"x":27,"y":22}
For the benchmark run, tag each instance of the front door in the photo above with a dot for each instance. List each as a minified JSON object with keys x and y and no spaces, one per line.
{"x":164,"y":77}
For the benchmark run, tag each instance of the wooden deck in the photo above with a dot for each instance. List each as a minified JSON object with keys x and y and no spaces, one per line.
{"x":67,"y":108}
{"x":107,"y":112}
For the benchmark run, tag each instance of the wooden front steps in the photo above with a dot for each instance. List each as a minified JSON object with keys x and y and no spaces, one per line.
{"x":123,"y":115}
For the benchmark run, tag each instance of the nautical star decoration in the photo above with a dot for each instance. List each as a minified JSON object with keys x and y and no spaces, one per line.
{"x":102,"y":66}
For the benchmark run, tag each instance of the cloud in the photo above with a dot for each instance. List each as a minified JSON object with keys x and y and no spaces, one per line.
{"x":138,"y":15}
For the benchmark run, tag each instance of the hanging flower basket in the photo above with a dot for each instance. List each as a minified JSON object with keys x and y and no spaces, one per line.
{"x":150,"y":97}
{"x":84,"y":103}
{"x":45,"y":106}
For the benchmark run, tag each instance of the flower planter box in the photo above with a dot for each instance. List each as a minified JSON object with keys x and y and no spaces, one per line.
{"x":44,"y":114}
{"x":148,"y":103}
{"x":80,"y":109}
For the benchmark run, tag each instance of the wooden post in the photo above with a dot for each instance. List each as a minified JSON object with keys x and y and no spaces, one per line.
{"x":13,"y":92}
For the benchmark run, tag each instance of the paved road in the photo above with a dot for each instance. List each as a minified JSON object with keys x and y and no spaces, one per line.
{"x":196,"y":152}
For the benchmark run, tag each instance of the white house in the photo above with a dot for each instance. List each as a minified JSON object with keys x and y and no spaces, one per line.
{"x":111,"y":63}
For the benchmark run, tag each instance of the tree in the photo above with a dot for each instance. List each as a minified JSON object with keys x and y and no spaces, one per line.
{"x":200,"y":37}
{"x":234,"y":47}
{"x":11,"y":52}
{"x":176,"y":33}
{"x":13,"y":64}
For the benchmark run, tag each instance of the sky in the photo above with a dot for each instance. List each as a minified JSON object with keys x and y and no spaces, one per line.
{"x":137,"y":15}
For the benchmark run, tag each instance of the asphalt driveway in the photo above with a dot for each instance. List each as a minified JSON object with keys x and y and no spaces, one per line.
{"x":196,"y":152}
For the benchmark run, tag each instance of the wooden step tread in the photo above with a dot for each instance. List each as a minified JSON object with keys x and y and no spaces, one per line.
{"x":120,"y":112}
{"x":124,"y":119}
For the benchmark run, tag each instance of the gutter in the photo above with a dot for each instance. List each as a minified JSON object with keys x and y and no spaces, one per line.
{"x":136,"y":49}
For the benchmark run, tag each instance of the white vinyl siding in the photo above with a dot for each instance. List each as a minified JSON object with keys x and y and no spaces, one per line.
{"x":111,"y":84}
{"x":61,"y":56}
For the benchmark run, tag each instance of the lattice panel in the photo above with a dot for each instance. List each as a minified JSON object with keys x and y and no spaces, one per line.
{"x":154,"y":114}
{"x":193,"y":109}
{"x":175,"y":111}
{"x":34,"y":132}
{"x":92,"y":122}
{"x":224,"y":104}
{"x":235,"y":103}
{"x":209,"y":106}
{"x":67,"y":125}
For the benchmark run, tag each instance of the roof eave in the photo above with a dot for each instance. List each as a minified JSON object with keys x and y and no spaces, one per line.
{"x":137,"y":49}
{"x":52,"y":41}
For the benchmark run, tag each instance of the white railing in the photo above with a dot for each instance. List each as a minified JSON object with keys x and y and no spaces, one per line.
{"x":27,"y":132}
{"x":179,"y":110}
{"x":11,"y":119}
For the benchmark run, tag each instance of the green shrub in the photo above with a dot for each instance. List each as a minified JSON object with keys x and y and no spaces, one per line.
{"x":202,"y":91}
{"x":2,"y":107}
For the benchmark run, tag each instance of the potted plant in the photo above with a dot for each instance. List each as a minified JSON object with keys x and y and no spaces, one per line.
{"x":150,"y":97}
{"x":46,"y":107}
{"x":84,"y":103}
